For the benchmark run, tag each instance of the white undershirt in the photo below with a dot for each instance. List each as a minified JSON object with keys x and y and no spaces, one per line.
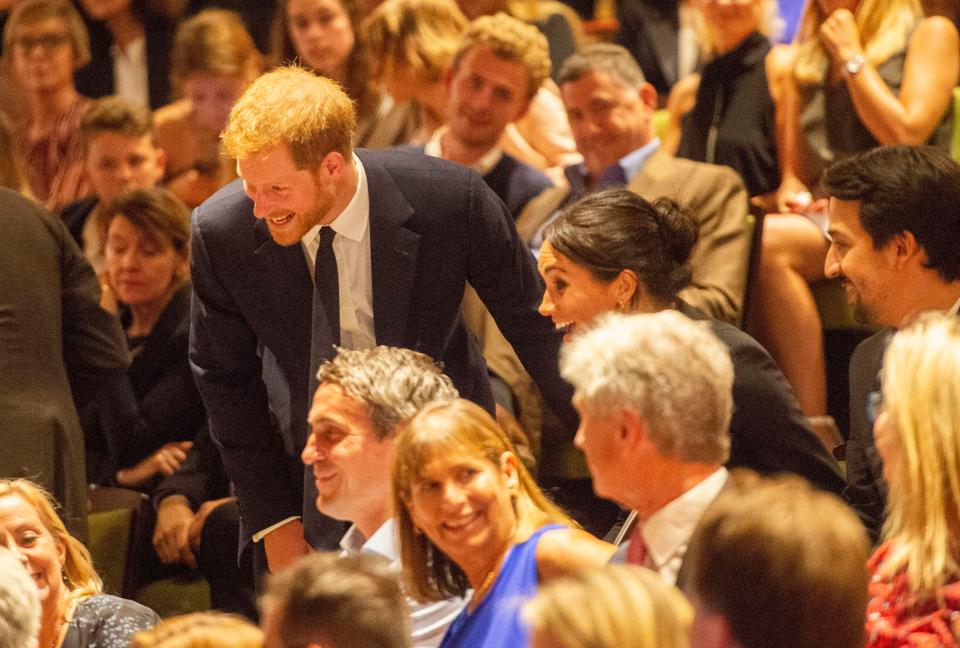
{"x":130,"y":71}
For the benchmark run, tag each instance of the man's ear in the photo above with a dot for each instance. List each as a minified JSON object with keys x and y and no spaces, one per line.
{"x":649,"y":95}
{"x":161,"y":162}
{"x":332,"y":166}
{"x":907,"y":251}
{"x":631,"y":428}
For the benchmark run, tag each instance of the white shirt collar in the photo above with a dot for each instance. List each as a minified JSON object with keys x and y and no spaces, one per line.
{"x":955,"y":309}
{"x":382,"y":541}
{"x":354,"y":220}
{"x":483,"y":166}
{"x":667,"y":532}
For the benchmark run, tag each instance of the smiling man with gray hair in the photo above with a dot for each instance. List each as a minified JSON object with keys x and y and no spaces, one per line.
{"x":654,"y":393}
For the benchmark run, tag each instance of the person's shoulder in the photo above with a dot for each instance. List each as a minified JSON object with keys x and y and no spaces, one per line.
{"x":563,"y":550}
{"x":100,"y":606}
{"x":408,"y":162}
{"x":937,"y":28}
{"x":172,"y":116}
{"x":529,"y":174}
{"x":871,"y":349}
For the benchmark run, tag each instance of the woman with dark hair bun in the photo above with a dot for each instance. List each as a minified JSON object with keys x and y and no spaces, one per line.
{"x":613,"y":250}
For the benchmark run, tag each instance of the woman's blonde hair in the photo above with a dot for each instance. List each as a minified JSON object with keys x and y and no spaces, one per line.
{"x":359,"y":84}
{"x":921,"y":391}
{"x":81,"y":578}
{"x":769,"y":23}
{"x":884,"y":28}
{"x":200,"y":630}
{"x":213,"y":42}
{"x":618,"y":606}
{"x":419,"y":35}
{"x":457,"y":428}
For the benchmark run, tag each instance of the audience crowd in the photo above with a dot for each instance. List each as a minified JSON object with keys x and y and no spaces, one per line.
{"x":482,"y":332}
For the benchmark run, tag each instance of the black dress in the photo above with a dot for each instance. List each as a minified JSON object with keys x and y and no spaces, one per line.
{"x":732,"y":122}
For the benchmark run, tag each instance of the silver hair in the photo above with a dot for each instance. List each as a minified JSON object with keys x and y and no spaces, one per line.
{"x":393,"y":383}
{"x":615,"y":60}
{"x":672,"y":371}
{"x":19,"y":604}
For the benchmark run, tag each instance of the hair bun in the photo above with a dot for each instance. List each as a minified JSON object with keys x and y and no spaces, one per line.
{"x":678,"y":229}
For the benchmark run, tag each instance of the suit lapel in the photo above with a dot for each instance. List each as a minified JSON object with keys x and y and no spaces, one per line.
{"x":393,"y":254}
{"x":291,"y":299}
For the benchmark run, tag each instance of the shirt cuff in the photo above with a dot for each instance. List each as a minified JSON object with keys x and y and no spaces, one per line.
{"x":259,"y":535}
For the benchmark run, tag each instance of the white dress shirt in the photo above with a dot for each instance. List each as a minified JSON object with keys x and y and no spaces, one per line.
{"x":668,"y":531}
{"x":130,"y":72}
{"x":351,"y":247}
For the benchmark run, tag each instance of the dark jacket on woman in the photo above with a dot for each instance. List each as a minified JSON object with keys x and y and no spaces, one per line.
{"x":159,"y":402}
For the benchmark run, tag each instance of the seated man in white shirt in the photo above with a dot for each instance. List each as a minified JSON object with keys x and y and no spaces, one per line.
{"x":654,"y":393}
{"x":363,"y":395}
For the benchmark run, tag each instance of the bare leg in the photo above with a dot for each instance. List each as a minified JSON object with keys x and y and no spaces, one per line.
{"x":785,"y":318}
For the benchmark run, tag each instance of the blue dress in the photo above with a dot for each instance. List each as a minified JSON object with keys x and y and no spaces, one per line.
{"x":496,"y":622}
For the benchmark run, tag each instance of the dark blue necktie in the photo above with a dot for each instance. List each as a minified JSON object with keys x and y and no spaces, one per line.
{"x":326,"y":284}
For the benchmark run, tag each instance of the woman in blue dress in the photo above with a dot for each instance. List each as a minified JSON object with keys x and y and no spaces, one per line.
{"x":470,"y":517}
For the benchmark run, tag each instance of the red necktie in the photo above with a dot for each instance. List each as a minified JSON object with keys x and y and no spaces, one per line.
{"x":637,"y":549}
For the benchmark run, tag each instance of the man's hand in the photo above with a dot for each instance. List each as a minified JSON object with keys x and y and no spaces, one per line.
{"x":170,"y":536}
{"x":196,"y":526}
{"x":284,"y":545}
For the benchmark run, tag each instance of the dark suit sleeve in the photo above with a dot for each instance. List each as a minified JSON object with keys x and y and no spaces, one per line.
{"x":227,"y":369}
{"x":170,"y":410}
{"x":503,"y":272}
{"x":865,"y":490}
{"x":769,"y":433}
{"x":200,"y":478}
{"x":94,"y":347}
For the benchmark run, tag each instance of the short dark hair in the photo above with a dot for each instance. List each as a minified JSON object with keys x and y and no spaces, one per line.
{"x":783,"y":563}
{"x":155,"y":211}
{"x":615,"y":60}
{"x":340,"y":601}
{"x":614,"y":230}
{"x":905,"y":188}
{"x":115,"y":115}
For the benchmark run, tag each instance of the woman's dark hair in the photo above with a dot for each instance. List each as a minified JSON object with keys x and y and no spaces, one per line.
{"x":359,"y":84}
{"x":615,"y":230}
{"x":156,"y":212}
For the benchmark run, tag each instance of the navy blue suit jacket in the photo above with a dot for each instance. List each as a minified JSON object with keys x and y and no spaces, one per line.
{"x":434,"y":225}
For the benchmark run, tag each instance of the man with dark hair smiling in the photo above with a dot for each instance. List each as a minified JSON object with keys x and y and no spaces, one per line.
{"x":894,"y":221}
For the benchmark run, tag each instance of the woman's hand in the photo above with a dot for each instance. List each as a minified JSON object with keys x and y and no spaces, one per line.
{"x":108,"y":298}
{"x":793,"y":197}
{"x":841,"y":36}
{"x":165,"y":461}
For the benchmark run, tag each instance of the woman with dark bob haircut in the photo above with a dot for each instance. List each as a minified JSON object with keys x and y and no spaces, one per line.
{"x":613,"y":250}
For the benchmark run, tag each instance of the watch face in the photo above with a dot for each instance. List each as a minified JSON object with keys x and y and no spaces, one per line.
{"x":854,"y":64}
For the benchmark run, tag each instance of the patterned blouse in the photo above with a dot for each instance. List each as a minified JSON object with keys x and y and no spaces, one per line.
{"x":898,"y":618}
{"x":54,"y":162}
{"x":105,"y":621}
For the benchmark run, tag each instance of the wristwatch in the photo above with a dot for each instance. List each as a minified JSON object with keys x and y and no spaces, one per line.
{"x":854,"y":64}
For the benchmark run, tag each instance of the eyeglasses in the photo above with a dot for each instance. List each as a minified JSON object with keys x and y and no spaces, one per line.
{"x":46,"y":42}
